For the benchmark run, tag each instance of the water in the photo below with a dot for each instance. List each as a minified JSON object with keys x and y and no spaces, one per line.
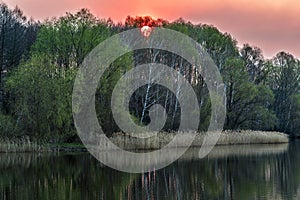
{"x":229,"y":172}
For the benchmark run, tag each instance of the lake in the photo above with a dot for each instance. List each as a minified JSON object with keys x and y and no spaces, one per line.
{"x":228,"y":172}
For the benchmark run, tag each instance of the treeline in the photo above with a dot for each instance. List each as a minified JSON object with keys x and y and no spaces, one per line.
{"x":39,"y":62}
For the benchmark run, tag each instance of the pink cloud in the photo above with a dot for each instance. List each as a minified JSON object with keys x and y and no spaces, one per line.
{"x":271,"y":25}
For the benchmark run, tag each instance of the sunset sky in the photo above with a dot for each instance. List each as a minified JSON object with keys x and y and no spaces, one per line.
{"x":272,"y":25}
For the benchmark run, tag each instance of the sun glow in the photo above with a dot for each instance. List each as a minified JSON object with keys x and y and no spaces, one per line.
{"x":146,"y":31}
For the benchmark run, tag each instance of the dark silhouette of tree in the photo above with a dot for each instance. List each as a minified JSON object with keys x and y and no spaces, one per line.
{"x":17,"y":34}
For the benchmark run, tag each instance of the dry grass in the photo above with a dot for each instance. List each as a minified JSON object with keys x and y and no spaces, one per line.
{"x":252,"y":137}
{"x":8,"y":145}
{"x":156,"y":142}
{"x":226,"y":138}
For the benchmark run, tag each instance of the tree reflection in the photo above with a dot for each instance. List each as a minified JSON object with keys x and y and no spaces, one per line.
{"x":271,"y":175}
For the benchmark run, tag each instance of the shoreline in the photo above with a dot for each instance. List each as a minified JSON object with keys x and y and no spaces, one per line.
{"x":124,"y":141}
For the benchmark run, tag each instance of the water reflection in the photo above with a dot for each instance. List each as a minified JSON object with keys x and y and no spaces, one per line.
{"x":236,"y":172}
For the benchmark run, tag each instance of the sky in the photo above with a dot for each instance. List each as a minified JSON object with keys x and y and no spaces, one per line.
{"x":272,"y":25}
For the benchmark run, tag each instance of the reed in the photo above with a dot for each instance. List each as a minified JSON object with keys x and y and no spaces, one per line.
{"x":226,"y":138}
{"x":124,"y":141}
{"x":24,"y":144}
{"x":252,"y":137}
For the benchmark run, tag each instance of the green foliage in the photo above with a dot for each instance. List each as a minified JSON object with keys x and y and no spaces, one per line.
{"x":42,"y":86}
{"x":105,"y":89}
{"x":295,"y":114}
{"x":43,"y":98}
{"x":247,"y":104}
{"x":16,"y":37}
{"x":261,"y":94}
{"x":7,"y":127}
{"x":284,"y":80}
{"x":68,"y":39}
{"x":256,"y":67}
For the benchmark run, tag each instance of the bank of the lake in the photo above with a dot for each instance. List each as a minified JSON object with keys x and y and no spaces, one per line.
{"x":158,"y":141}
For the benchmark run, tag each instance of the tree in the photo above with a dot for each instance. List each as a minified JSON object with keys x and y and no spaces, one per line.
{"x":104,"y":92}
{"x":38,"y":94}
{"x":248,"y":105}
{"x":70,"y":38}
{"x":219,"y":46}
{"x":16,"y":37}
{"x":255,"y":63}
{"x":138,"y":22}
{"x":42,"y":99}
{"x":41,"y":87}
{"x":284,"y":80}
{"x":295,"y":115}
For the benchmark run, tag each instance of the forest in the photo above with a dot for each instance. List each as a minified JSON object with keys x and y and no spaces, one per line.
{"x":39,"y":62}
